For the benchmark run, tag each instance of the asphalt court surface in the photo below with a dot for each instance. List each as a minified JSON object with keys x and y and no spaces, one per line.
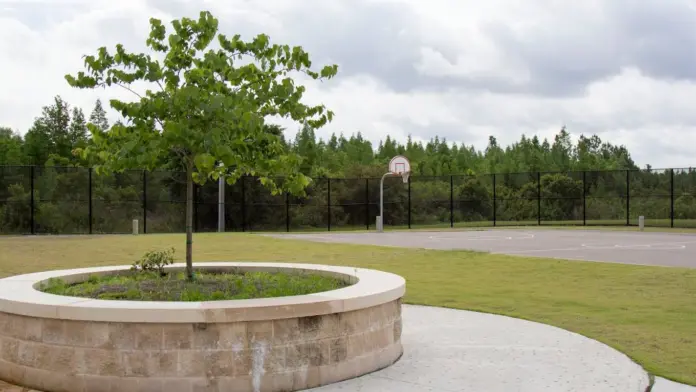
{"x":643,"y":248}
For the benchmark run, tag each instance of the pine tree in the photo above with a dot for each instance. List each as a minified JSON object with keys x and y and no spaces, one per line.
{"x":98,"y":116}
{"x":77,"y":133}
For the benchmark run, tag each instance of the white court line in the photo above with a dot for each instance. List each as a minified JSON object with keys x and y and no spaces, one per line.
{"x":582,"y":247}
{"x":664,"y":246}
{"x":539,"y":250}
{"x":525,"y":236}
{"x":590,"y":245}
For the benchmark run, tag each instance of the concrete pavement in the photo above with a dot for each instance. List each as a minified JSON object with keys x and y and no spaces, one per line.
{"x":448,"y":350}
{"x":644,"y":248}
{"x":662,"y":385}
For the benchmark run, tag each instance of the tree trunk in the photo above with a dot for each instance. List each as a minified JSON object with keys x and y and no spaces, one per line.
{"x":189,"y":220}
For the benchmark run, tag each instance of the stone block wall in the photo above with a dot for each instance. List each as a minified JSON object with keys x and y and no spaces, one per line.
{"x":55,"y":355}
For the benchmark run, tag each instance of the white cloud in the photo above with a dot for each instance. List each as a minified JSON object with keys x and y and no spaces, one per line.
{"x":457,"y":69}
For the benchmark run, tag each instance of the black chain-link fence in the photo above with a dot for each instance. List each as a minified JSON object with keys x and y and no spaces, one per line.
{"x":57,"y":200}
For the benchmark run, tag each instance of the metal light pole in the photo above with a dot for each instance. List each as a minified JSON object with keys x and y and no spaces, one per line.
{"x":221,"y":204}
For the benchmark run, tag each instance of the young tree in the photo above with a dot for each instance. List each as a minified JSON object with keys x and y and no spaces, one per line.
{"x":208,"y":106}
{"x":10,"y":147}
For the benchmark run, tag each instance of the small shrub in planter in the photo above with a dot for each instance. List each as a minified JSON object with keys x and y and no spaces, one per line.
{"x":155,"y":261}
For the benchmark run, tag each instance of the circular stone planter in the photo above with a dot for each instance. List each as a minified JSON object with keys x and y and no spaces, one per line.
{"x":58,"y":343}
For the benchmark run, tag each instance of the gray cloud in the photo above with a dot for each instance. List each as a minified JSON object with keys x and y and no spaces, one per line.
{"x":657,"y":37}
{"x":43,"y":15}
{"x":377,"y":38}
{"x":383,"y":39}
{"x":364,"y":38}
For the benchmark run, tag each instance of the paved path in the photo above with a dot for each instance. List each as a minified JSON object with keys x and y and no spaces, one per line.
{"x":645,"y":248}
{"x":662,"y":385}
{"x":448,"y":350}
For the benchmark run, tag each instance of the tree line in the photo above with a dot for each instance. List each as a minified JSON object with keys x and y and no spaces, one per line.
{"x":535,"y":180}
{"x":61,"y":129}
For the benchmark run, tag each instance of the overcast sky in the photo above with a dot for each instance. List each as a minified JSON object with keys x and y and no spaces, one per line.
{"x":460,"y":69}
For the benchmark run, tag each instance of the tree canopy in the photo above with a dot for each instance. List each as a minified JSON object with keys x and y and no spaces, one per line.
{"x":209,"y":106}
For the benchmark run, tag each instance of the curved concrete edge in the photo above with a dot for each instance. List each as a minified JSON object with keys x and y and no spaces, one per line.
{"x":664,"y":385}
{"x":459,"y":350}
{"x":18,"y":295}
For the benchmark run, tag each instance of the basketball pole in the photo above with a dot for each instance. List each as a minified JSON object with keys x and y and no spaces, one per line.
{"x":380,"y":218}
{"x":402,"y":168}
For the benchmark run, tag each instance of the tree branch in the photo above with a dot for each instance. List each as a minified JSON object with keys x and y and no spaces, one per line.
{"x":129,"y":89}
{"x":141,"y":97}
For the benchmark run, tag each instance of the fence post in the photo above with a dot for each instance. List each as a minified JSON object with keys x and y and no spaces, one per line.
{"x":628,"y":197}
{"x":144,"y":201}
{"x":287,"y":211}
{"x":539,"y":198}
{"x":31,"y":202}
{"x":451,"y":201}
{"x":367,"y":204}
{"x":89,"y":196}
{"x":494,"y":202}
{"x":671,"y":198}
{"x":409,"y":202}
{"x":243,"y":204}
{"x":584,"y":198}
{"x":328,"y":201}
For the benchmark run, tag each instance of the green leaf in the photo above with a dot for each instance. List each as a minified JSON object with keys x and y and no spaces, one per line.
{"x":204,"y":162}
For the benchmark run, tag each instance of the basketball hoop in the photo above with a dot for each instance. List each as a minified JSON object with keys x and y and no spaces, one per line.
{"x":398,"y":166}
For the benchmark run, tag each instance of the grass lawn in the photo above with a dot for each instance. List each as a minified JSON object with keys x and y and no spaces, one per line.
{"x":649,"y":313}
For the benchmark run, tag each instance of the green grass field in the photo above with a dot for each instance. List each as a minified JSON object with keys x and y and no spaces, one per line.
{"x":649,"y":313}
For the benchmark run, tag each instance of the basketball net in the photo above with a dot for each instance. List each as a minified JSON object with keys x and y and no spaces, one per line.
{"x":404,"y":176}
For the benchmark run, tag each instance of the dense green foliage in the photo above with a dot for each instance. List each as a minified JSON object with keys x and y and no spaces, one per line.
{"x":208,"y":286}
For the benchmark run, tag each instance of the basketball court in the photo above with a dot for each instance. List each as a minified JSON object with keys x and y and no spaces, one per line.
{"x":644,"y":248}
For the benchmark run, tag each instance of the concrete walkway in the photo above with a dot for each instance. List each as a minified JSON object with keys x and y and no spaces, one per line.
{"x":662,"y":385}
{"x":452,"y":350}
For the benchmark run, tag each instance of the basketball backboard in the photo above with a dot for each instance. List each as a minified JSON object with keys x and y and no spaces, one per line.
{"x":399,"y":165}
